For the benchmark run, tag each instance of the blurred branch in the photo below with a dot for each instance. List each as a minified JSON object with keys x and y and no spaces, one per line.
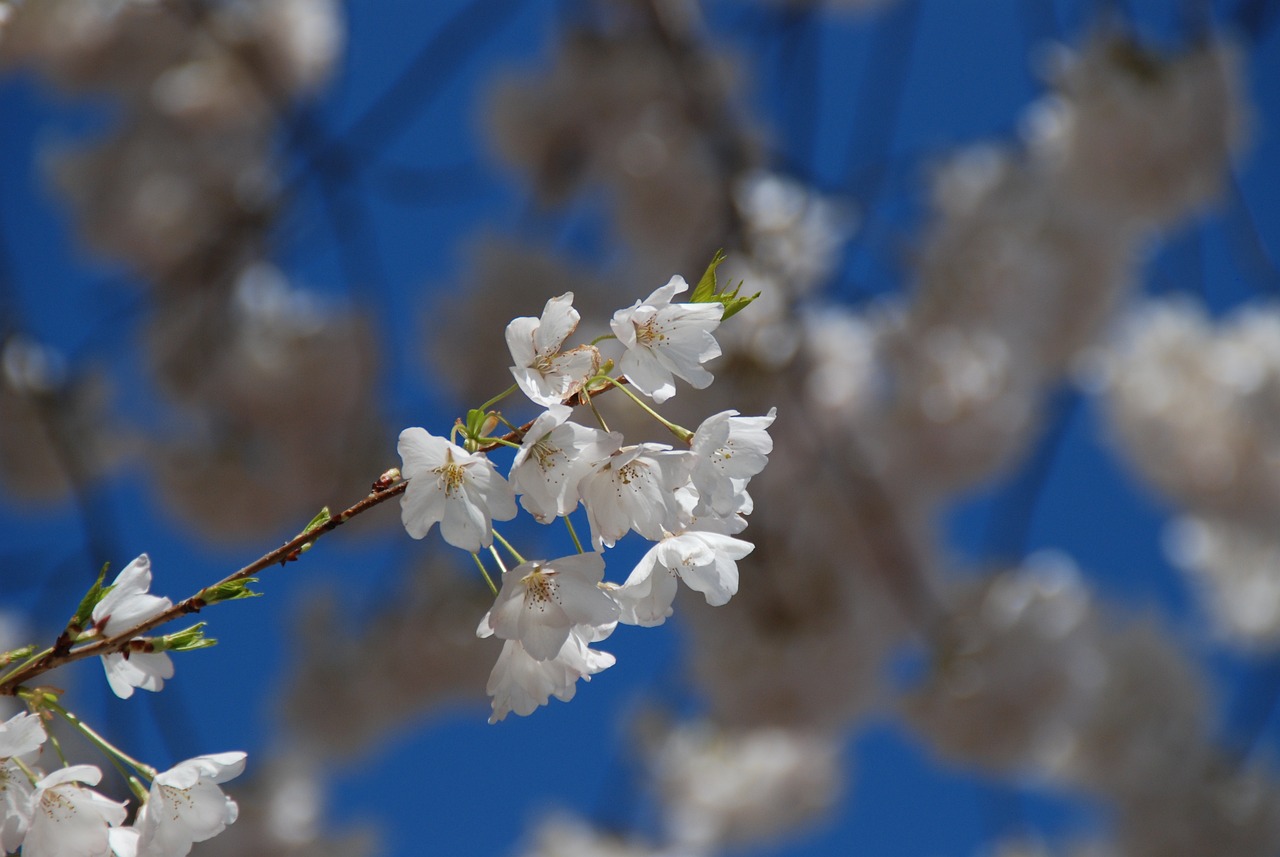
{"x":440,"y":59}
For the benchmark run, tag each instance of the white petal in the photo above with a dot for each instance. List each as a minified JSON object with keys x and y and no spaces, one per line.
{"x":465,"y":525}
{"x":647,"y":375}
{"x":146,"y":670}
{"x":520,"y":341}
{"x":542,"y":640}
{"x":21,"y":734}
{"x":645,"y":598}
{"x":559,"y":319}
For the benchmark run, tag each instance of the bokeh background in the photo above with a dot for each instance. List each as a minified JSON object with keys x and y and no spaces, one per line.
{"x":1016,"y":588}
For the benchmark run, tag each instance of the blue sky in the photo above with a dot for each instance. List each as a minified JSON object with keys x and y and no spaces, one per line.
{"x":858,"y":106}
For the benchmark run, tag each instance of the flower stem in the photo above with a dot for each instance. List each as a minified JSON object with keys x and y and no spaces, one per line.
{"x":111,"y":751}
{"x":602,"y":337}
{"x":599,"y":417}
{"x":573,"y":534}
{"x":57,"y":748}
{"x":679,"y":431}
{"x":485,"y":572}
{"x":22,"y":766}
{"x":506,"y":544}
{"x":498,"y":398}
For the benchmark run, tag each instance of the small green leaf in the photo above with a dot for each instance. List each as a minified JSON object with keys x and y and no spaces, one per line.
{"x":734,"y":304}
{"x":229,"y":591}
{"x":91,"y":598}
{"x":705,"y":292}
{"x":185,"y":640}
{"x":322,"y":517}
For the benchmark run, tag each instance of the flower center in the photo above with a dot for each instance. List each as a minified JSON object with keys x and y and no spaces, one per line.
{"x":176,"y":797}
{"x":57,"y":806}
{"x":630,"y":472}
{"x":451,"y":477}
{"x":539,"y":589}
{"x":650,"y":332}
{"x":544,"y":453}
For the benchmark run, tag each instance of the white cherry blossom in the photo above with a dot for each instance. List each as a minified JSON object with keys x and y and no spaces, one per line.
{"x":19,"y":735}
{"x":69,"y":820}
{"x":665,"y":340}
{"x":542,"y":371}
{"x":127,"y":604}
{"x":186,"y":806}
{"x":554,"y":458}
{"x":635,"y":489}
{"x":456,"y":489}
{"x":541,"y":602}
{"x":15,"y":806}
{"x":705,"y":561}
{"x":521,"y":683}
{"x":727,"y":451}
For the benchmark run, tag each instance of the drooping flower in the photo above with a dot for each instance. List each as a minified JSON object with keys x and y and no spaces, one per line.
{"x":15,"y":806}
{"x":19,"y":735}
{"x":69,"y":820}
{"x":635,"y":489}
{"x":449,"y":486}
{"x":554,"y":458}
{"x":665,"y":340}
{"x":542,"y":371}
{"x":727,"y":451}
{"x":705,"y":561}
{"x":186,"y":806}
{"x":541,"y":602}
{"x":127,"y":604}
{"x":521,"y":683}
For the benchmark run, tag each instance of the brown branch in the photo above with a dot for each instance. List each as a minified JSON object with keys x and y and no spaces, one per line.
{"x":286,"y":553}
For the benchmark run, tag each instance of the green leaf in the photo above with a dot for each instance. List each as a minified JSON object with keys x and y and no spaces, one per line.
{"x":705,"y":293}
{"x":229,"y":591}
{"x":91,"y":598}
{"x":185,"y":640}
{"x":734,"y":304}
{"x":322,"y":517}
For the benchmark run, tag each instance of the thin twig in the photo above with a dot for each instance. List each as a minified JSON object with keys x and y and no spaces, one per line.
{"x":286,"y":553}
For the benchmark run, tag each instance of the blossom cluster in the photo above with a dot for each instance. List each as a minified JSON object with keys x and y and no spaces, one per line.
{"x":59,"y":814}
{"x":689,"y":502}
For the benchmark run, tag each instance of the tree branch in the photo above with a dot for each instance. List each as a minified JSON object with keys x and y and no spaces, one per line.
{"x":286,"y":553}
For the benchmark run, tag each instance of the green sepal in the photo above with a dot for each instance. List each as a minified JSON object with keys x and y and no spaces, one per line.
{"x":185,"y":640}
{"x":91,"y":598}
{"x":229,"y":591}
{"x":475,"y":423}
{"x":706,"y":292}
